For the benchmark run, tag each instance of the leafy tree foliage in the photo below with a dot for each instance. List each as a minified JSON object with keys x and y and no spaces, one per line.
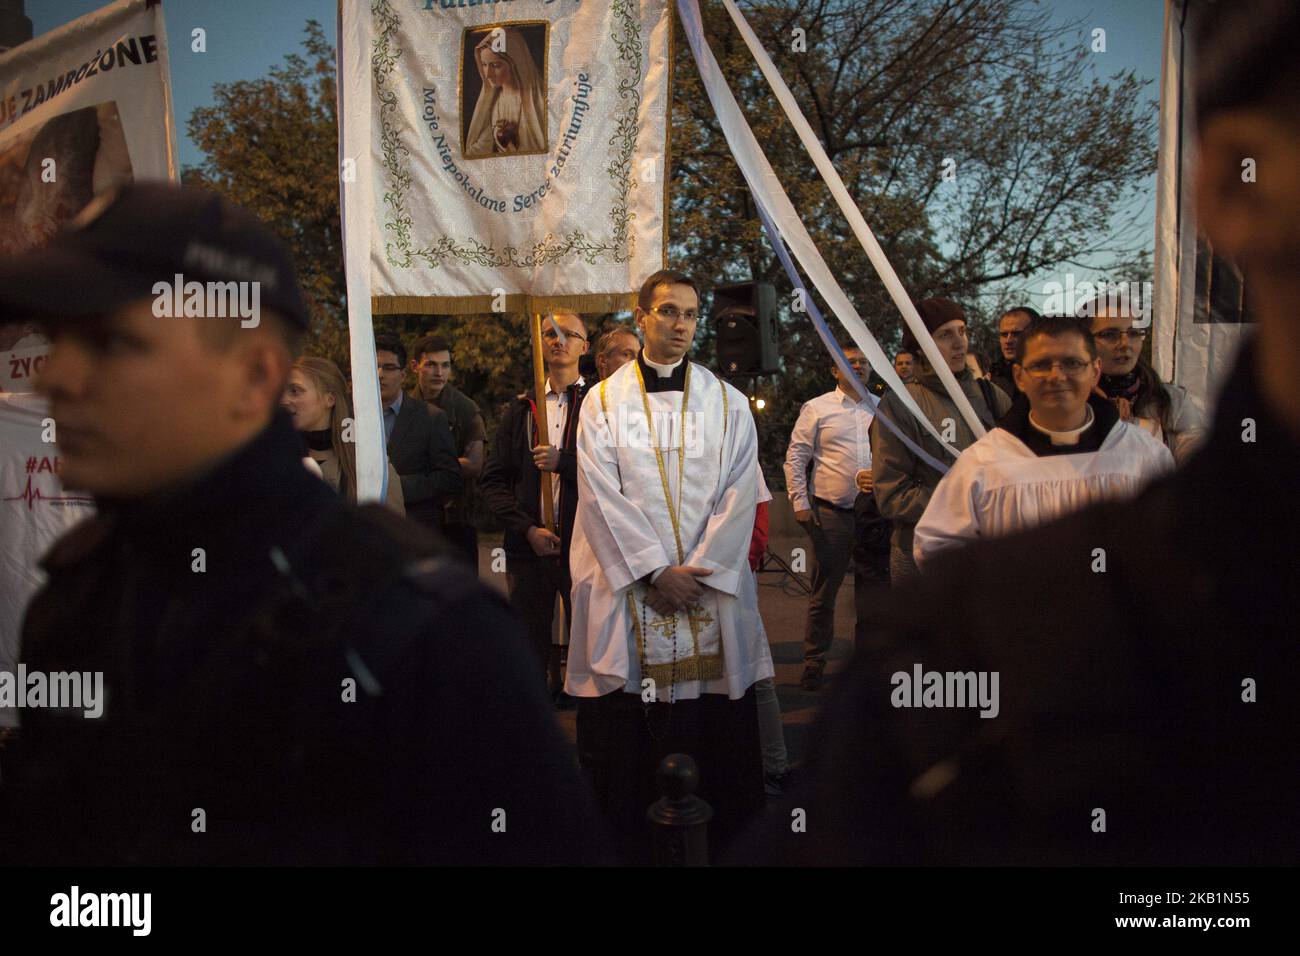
{"x":982,"y":142}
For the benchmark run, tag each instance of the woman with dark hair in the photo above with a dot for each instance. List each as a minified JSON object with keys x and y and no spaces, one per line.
{"x":317,"y":400}
{"x":1162,"y":408}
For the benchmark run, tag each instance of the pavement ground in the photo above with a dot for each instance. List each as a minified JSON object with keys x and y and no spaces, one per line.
{"x":784,"y":608}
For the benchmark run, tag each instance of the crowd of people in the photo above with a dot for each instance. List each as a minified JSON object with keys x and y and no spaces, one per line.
{"x":295,"y":679}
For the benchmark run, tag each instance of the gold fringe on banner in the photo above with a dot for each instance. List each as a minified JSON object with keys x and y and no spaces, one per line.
{"x":583,"y":304}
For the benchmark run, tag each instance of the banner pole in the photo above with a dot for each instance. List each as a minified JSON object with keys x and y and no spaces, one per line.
{"x":543,"y":429}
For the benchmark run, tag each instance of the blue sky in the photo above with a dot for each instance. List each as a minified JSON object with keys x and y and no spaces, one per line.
{"x":245,"y":38}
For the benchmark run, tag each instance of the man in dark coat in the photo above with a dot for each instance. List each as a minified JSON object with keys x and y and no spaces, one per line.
{"x":537,"y":556}
{"x":431,"y":361}
{"x":285,"y":678}
{"x":1011,"y":326}
{"x":1146,"y":652}
{"x":419,"y":440}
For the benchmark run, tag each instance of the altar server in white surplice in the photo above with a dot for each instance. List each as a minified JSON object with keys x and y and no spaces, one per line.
{"x":1060,"y":450}
{"x":666,"y":641}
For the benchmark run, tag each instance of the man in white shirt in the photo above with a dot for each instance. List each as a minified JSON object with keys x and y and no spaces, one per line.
{"x":537,"y":551}
{"x":1066,"y":449}
{"x":827,"y":469}
{"x":667,"y":643}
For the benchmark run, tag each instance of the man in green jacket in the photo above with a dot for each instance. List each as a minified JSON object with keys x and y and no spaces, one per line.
{"x":903,"y":481}
{"x":431,"y":361}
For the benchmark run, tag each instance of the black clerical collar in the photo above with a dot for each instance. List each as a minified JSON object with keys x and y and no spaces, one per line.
{"x":676,"y":382}
{"x":1104,"y":417}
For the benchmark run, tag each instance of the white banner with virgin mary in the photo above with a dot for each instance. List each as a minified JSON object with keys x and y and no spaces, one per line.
{"x":508,"y":156}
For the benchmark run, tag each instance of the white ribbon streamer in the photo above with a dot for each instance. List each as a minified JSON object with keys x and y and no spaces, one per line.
{"x":851,"y":212}
{"x":762,"y":181}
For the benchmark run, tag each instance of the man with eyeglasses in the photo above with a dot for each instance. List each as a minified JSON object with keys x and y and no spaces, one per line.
{"x":667,"y":643}
{"x":419,"y":440}
{"x":1062,"y":449}
{"x":1162,"y":408}
{"x":1134,"y":641}
{"x":615,"y":348}
{"x":1011,"y":327}
{"x":537,"y":556}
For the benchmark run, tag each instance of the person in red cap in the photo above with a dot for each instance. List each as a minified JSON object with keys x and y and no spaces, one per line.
{"x":903,"y":481}
{"x":287,"y":678}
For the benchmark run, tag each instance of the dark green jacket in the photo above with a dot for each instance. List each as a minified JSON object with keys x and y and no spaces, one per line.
{"x":903,"y":482}
{"x":466,"y":422}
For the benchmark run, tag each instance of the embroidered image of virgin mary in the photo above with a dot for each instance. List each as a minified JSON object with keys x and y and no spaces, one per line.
{"x":509,"y":117}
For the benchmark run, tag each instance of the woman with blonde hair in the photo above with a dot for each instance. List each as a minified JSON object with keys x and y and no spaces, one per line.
{"x":510,"y":115}
{"x":317,"y":400}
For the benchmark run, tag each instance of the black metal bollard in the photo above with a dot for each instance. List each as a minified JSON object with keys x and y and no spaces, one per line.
{"x":679,"y":819}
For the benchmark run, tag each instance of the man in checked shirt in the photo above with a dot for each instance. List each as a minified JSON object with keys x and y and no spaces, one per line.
{"x":828,"y":478}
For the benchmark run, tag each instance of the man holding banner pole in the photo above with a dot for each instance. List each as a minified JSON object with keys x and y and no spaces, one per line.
{"x":530,"y":479}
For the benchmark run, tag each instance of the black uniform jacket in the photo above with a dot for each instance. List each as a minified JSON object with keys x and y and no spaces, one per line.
{"x":288,"y":679}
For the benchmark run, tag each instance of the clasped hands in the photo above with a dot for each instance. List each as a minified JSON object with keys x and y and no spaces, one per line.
{"x":676,"y":589}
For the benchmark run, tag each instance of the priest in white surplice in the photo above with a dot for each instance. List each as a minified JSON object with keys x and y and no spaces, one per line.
{"x":1058,"y":449}
{"x":666,"y":641}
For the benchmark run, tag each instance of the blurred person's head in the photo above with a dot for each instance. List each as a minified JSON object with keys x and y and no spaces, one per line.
{"x":1056,"y":366}
{"x":861,"y":369}
{"x":615,"y":348}
{"x":140,"y":403}
{"x":667,"y":312}
{"x":145,"y":395}
{"x":1010,"y":327}
{"x":1248,"y":152}
{"x":431,"y":363}
{"x":390,"y":357}
{"x":317,"y":401}
{"x":903,"y":362}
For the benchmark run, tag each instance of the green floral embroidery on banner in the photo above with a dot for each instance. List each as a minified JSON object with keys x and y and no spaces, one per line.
{"x":383,"y":61}
{"x":552,"y":249}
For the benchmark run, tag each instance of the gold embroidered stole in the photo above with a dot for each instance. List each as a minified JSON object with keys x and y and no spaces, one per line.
{"x":656,"y":633}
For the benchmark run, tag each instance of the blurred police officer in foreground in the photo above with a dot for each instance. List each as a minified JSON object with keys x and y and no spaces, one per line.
{"x":288,"y":679}
{"x":1146,"y":651}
